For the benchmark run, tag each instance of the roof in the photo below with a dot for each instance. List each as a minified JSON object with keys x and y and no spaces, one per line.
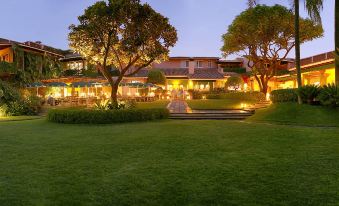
{"x":206,"y":74}
{"x":199,"y":73}
{"x":38,"y":46}
{"x":186,"y":57}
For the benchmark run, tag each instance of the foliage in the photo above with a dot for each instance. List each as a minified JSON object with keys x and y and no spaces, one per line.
{"x":84,"y":116}
{"x":107,"y":105}
{"x":156,"y":76}
{"x":329,"y":95}
{"x":70,"y":72}
{"x":249,"y":96}
{"x":8,"y":93}
{"x":309,"y":93}
{"x":235,"y":82}
{"x":265,"y":36}
{"x":7,"y":67}
{"x":31,"y":67}
{"x":125,"y":34}
{"x":284,"y":95}
{"x":236,"y":70}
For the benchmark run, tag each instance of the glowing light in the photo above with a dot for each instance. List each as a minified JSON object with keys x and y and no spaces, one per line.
{"x":268,"y":96}
{"x":137,"y":94}
{"x":129,"y":94}
{"x":188,"y":97}
{"x":152,"y":94}
{"x":167,"y":97}
{"x":204,"y":97}
{"x":245,"y":86}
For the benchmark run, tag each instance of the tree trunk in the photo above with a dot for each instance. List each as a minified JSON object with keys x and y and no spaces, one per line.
{"x":114,"y":94}
{"x":336,"y":34}
{"x":297,"y":46}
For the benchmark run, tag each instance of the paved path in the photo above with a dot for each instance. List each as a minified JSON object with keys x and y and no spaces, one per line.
{"x":178,"y":106}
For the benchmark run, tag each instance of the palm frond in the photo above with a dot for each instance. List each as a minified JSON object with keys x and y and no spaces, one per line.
{"x":314,"y":7}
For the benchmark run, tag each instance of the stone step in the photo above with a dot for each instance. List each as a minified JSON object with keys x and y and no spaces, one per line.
{"x":208,"y":117}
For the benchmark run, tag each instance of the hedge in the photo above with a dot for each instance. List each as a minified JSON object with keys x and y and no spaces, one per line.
{"x":246,"y":96}
{"x":90,"y":116}
{"x":284,"y":95}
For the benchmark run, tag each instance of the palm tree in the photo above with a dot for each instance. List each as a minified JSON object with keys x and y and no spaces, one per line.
{"x":313,"y":8}
{"x":336,"y":34}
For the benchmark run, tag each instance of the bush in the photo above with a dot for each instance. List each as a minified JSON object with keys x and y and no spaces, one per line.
{"x":284,"y":95}
{"x":329,"y":95}
{"x":8,"y":93}
{"x":309,"y":93}
{"x":246,"y":96}
{"x":235,"y":82}
{"x":83,"y":116}
{"x":156,"y":76}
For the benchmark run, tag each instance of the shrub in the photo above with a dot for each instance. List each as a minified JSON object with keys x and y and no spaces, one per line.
{"x":107,"y":105}
{"x":156,"y":76}
{"x":246,"y":96}
{"x":309,"y":93}
{"x":329,"y":95}
{"x":235,"y":82}
{"x":8,"y":93}
{"x":284,"y":95}
{"x":85,"y":116}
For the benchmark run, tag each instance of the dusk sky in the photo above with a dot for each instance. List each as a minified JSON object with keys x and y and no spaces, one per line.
{"x":200,"y":23}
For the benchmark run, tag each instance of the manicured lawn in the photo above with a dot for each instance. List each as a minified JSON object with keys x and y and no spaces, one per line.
{"x":292,"y":113}
{"x":168,"y":163}
{"x":18,"y":118}
{"x":155,"y":104}
{"x":217,"y":104}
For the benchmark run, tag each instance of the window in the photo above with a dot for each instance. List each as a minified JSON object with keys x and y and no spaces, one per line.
{"x":198,"y":64}
{"x":209,"y":64}
{"x":186,"y":64}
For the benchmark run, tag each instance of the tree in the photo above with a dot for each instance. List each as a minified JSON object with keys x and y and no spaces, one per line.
{"x":123,"y":34}
{"x":156,"y":76}
{"x":235,"y":82}
{"x":336,"y":34}
{"x":265,"y":35}
{"x":313,"y":8}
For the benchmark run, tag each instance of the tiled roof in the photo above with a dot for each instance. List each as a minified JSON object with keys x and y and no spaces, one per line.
{"x":206,"y":74}
{"x":199,"y":73}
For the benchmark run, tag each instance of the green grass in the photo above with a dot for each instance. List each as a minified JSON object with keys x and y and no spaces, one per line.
{"x":217,"y":104}
{"x":167,"y":163}
{"x":18,"y":118}
{"x":292,"y":113}
{"x":152,"y":105}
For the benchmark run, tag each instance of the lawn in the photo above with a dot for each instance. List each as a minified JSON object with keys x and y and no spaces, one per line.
{"x":167,"y":163}
{"x":152,"y":105}
{"x":292,"y":113}
{"x":18,"y":118}
{"x":218,"y":104}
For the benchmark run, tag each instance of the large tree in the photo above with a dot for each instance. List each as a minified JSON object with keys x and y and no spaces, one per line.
{"x":313,"y":8}
{"x":265,"y":35}
{"x":123,"y":34}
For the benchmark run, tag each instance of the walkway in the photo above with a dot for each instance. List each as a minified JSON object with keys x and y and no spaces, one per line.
{"x":178,"y":106}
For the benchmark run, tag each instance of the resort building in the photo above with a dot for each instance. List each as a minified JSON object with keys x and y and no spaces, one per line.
{"x":78,"y":78}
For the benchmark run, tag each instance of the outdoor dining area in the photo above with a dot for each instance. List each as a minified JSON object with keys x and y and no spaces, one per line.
{"x":88,"y":93}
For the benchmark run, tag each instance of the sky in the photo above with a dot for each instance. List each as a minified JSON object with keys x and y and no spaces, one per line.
{"x":200,"y":23}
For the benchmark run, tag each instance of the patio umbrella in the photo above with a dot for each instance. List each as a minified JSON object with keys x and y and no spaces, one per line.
{"x":36,"y":85}
{"x":56,"y":84}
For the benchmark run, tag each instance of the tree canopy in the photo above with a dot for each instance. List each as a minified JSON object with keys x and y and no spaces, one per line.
{"x":122,"y":33}
{"x":265,"y":36}
{"x":156,"y":76}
